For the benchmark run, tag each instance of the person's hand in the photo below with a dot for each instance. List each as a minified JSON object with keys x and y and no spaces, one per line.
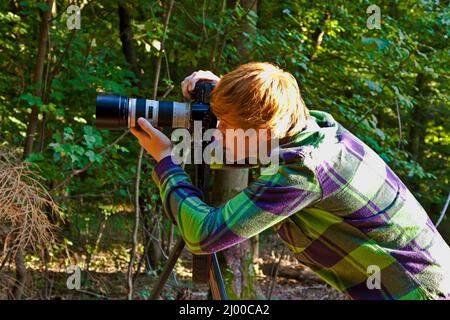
{"x":157,"y":144}
{"x":188,"y":84}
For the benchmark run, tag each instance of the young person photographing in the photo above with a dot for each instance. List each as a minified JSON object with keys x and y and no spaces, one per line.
{"x":334,"y":202}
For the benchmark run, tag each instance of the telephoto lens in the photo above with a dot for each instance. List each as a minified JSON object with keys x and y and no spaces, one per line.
{"x":111,"y":112}
{"x":118,"y":112}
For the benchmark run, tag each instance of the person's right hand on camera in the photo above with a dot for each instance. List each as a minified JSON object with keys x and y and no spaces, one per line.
{"x":188,"y":84}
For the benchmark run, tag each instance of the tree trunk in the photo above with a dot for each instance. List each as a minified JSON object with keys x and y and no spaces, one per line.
{"x":126,"y":37}
{"x":249,"y":29}
{"x":239,"y":272}
{"x":21,"y":271}
{"x":318,"y":36}
{"x":416,"y":129}
{"x":38,"y":73}
{"x":416,"y":132}
{"x":21,"y":275}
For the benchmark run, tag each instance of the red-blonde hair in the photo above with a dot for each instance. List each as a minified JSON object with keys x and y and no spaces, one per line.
{"x":260,"y":95}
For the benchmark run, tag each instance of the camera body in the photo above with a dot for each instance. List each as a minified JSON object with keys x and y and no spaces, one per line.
{"x":119,"y":112}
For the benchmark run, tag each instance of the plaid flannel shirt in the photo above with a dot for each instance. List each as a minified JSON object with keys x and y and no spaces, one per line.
{"x":336,"y":205}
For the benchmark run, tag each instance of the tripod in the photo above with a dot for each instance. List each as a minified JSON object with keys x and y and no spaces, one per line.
{"x":205,"y":267}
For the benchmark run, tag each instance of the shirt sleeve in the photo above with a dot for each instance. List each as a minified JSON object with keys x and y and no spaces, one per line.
{"x":264,"y":203}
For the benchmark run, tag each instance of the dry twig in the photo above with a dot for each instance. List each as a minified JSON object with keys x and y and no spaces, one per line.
{"x":24,"y":206}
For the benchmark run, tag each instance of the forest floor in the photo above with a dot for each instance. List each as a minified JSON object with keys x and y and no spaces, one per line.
{"x":106,"y":279}
{"x":294,"y":282}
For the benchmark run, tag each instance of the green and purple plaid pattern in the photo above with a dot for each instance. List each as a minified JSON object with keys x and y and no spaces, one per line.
{"x":337,"y":206}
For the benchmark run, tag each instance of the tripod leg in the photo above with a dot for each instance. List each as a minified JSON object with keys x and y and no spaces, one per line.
{"x":168,"y":269}
{"x":216,"y":281}
{"x":201,"y":265}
